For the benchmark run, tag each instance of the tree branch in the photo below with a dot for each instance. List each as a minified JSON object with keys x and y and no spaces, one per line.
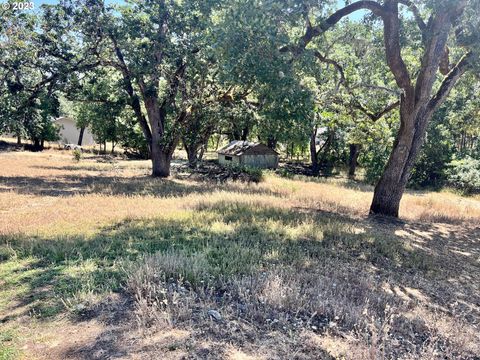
{"x":174,"y":84}
{"x":314,"y":31}
{"x":449,"y":82}
{"x":445,"y":62}
{"x":391,"y":39}
{"x":377,"y":87}
{"x":389,"y":15}
{"x":335,"y":64}
{"x":435,"y":49}
{"x":416,"y":14}
{"x":376,"y":116}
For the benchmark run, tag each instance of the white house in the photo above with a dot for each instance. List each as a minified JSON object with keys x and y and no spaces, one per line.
{"x":69,"y":133}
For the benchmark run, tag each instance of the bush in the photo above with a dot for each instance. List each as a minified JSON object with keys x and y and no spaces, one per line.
{"x":77,"y":155}
{"x":464,"y":175}
{"x":132,"y":140}
{"x":285,"y":173}
{"x":245,"y":173}
{"x":255,"y":174}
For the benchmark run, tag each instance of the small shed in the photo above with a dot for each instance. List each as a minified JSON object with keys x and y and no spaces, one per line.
{"x":244,"y":153}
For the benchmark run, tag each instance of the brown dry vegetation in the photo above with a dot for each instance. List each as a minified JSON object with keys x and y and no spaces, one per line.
{"x":100,"y":261}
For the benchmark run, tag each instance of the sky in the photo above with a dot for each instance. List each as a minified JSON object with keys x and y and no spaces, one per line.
{"x":358,"y":15}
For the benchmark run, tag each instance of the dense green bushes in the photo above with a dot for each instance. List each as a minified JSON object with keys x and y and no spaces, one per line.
{"x":464,"y":175}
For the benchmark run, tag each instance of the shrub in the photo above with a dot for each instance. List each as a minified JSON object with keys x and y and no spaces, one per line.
{"x":245,"y":173}
{"x":77,"y":155}
{"x":285,"y":173}
{"x":465,"y":175}
{"x":255,"y":174}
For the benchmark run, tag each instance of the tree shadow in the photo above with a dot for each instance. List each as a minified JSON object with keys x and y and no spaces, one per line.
{"x":69,"y":168}
{"x":71,"y":185}
{"x":452,"y":267}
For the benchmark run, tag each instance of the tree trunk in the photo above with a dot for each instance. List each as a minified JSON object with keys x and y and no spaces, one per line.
{"x":323,"y":153}
{"x":236,"y":134}
{"x":202,"y":151}
{"x":80,"y":136}
{"x":245,"y":133}
{"x":37,"y":146}
{"x":160,"y":160}
{"x":392,"y":184}
{"x":353,"y":159}
{"x":272,"y":142}
{"x":313,"y":153}
{"x":192,"y":155}
{"x":19,"y":140}
{"x":134,"y":100}
{"x":417,"y":104}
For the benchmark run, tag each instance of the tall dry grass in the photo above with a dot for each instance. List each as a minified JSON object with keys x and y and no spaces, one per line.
{"x":48,"y":192}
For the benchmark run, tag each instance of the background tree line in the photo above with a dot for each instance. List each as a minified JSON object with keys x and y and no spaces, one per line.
{"x":394,"y":89}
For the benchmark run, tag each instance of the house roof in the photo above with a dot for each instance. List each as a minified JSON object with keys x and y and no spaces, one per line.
{"x":238,"y":148}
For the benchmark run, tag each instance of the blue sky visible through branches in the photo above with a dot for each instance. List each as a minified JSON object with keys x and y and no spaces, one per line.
{"x":355,"y":16}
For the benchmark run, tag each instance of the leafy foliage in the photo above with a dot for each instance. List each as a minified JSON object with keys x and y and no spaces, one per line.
{"x":465,"y":175}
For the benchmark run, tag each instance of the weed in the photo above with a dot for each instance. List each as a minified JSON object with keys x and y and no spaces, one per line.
{"x":77,"y":155}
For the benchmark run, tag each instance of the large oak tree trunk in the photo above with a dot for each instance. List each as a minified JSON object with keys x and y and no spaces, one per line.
{"x":162,"y":149}
{"x":161,"y":156}
{"x":392,"y":184}
{"x":417,"y":104}
{"x":160,"y":160}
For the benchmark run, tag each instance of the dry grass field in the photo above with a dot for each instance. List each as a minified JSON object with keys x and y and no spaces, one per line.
{"x":100,"y":261}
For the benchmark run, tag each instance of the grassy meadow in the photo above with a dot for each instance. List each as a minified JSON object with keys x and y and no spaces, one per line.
{"x":100,"y":261}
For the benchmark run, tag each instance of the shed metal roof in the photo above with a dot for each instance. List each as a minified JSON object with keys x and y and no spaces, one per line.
{"x":238,"y":148}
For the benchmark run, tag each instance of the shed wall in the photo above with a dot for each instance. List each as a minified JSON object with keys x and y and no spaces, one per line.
{"x":234,"y":159}
{"x":260,"y":161}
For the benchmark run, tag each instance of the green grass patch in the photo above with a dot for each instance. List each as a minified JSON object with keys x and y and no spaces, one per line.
{"x":8,"y":350}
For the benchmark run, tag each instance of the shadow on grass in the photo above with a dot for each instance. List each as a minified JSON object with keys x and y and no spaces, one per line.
{"x":101,"y":167}
{"x":71,"y":185}
{"x":235,"y":240}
